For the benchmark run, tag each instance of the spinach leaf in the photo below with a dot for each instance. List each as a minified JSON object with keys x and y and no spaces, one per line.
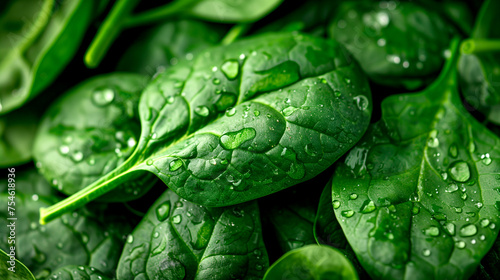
{"x":311,"y":17}
{"x":312,"y":262}
{"x":398,"y":44}
{"x":480,"y":71}
{"x":87,"y":237}
{"x":418,"y":196}
{"x":327,"y":229}
{"x":178,"y":239}
{"x":73,"y":272}
{"x":33,"y":53}
{"x":12,"y":269}
{"x":291,"y":215}
{"x":244,"y":120}
{"x":164,"y":45}
{"x":89,"y":131}
{"x":17,"y":131}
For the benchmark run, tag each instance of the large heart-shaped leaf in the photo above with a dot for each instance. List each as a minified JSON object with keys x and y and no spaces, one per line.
{"x":418,"y":196}
{"x":245,"y":120}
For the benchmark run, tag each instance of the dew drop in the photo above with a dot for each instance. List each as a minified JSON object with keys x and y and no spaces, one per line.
{"x":468,"y":230}
{"x":336,"y":204}
{"x":369,"y":207}
{"x":176,"y":219}
{"x":347,"y":213}
{"x":77,"y":156}
{"x":460,"y":244}
{"x":309,"y":149}
{"x":130,"y":238}
{"x":163,"y":211}
{"x":451,"y":188}
{"x":486,"y":160}
{"x":230,"y":69}
{"x":432,"y":231}
{"x":450,"y":228}
{"x":202,"y":111}
{"x":103,"y":96}
{"x":170,"y":99}
{"x":64,"y":150}
{"x":459,"y":171}
{"x":426,"y":252}
{"x":353,"y":196}
{"x":361,"y":102}
{"x":230,"y":111}
{"x":233,"y":140}
{"x":484,"y":222}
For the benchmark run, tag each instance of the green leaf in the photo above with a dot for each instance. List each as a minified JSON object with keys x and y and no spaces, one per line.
{"x":91,"y":236}
{"x":164,"y":45}
{"x":480,"y":72}
{"x":12,"y":269}
{"x":311,"y":17}
{"x":245,"y":120}
{"x":178,"y":239}
{"x":73,"y":272}
{"x":89,"y":131}
{"x":228,"y":11}
{"x":312,"y":262}
{"x":17,"y":132}
{"x":33,"y":53}
{"x":489,"y":268}
{"x":327,"y":229}
{"x":432,"y":172}
{"x":398,"y":44}
{"x":291,"y":215}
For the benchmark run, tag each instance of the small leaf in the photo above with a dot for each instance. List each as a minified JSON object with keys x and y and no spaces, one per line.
{"x":399,"y":44}
{"x":312,"y":262}
{"x":190,"y":241}
{"x":12,"y":269}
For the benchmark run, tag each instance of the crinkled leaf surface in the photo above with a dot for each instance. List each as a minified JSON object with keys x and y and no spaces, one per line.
{"x":396,"y":43}
{"x":245,"y":120}
{"x":73,"y":272}
{"x":34,"y":52}
{"x":164,"y":45}
{"x":82,"y":238}
{"x":90,"y":131}
{"x":252,"y":118}
{"x":426,"y":179}
{"x":21,"y":272}
{"x":312,"y":262}
{"x":178,"y":239}
{"x":480,"y":72}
